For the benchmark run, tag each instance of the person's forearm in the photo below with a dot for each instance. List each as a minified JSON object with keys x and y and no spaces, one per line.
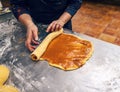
{"x":59,"y":23}
{"x":25,"y":19}
{"x":65,"y":17}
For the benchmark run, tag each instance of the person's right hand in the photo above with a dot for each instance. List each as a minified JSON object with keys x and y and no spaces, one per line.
{"x":31,"y":37}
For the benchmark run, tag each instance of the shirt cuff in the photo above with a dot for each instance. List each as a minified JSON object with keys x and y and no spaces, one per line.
{"x":73,"y":8}
{"x":19,"y":11}
{"x":71,"y":11}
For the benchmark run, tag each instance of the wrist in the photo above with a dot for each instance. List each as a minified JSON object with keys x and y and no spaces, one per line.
{"x":65,"y":17}
{"x":26,"y":20}
{"x":62,"y":20}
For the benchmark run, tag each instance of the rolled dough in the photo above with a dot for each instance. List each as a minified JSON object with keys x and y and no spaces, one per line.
{"x":4,"y":74}
{"x":36,"y":55}
{"x":7,"y":88}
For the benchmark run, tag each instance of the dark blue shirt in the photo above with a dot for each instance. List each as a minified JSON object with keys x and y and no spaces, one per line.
{"x":45,"y":11}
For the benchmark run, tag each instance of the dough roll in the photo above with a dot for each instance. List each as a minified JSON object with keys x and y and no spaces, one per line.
{"x":8,"y":88}
{"x":38,"y":52}
{"x":4,"y":74}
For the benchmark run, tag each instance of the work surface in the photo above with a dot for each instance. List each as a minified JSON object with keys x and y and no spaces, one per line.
{"x":100,"y":74}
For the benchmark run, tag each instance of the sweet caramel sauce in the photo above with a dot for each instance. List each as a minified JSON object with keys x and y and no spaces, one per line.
{"x":67,"y":51}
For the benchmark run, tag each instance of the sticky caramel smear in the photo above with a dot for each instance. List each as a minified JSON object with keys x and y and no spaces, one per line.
{"x":67,"y":52}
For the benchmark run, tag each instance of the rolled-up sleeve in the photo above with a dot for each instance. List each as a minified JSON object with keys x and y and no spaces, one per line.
{"x":73,"y":6}
{"x":19,"y":7}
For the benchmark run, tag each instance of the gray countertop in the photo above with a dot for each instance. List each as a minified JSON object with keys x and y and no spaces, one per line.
{"x":100,"y":74}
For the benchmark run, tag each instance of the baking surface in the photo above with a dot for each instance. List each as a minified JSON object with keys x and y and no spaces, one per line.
{"x":100,"y":74}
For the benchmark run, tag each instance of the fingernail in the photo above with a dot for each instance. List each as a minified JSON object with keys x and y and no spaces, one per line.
{"x":36,"y":38}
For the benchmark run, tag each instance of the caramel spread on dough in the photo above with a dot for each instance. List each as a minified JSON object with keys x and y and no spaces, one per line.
{"x":68,"y":52}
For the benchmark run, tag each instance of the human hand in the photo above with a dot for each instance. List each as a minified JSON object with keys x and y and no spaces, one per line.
{"x":31,"y":36}
{"x":55,"y":25}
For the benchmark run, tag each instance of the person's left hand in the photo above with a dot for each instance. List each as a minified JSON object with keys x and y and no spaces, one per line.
{"x":55,"y":25}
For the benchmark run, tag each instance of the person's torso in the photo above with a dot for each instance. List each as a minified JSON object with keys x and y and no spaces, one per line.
{"x":46,"y":10}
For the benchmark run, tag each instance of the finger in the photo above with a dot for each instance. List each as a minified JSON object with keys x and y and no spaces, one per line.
{"x":30,"y":47}
{"x":33,"y":48}
{"x":53,"y":27}
{"x":58,"y":27}
{"x":35,"y":34}
{"x":35,"y":42}
{"x":50,"y":27}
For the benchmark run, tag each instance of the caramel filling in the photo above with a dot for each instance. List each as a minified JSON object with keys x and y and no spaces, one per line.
{"x":67,"y":51}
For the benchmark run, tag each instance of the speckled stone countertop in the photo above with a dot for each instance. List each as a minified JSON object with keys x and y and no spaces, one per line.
{"x":100,"y":74}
